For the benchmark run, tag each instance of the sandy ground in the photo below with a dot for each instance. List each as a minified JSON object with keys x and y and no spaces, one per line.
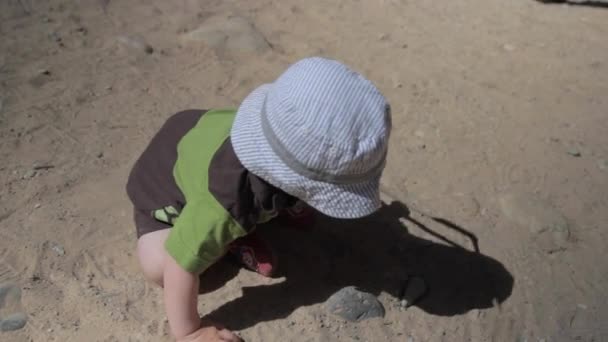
{"x":500,"y":130}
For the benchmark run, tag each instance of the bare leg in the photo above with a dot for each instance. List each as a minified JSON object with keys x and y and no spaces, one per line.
{"x":152,"y":255}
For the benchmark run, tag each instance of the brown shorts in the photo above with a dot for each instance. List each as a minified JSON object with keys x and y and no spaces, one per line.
{"x":146,"y":223}
{"x":151,"y":185}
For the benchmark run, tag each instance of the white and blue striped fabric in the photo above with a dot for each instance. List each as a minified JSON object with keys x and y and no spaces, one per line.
{"x":320,"y":133}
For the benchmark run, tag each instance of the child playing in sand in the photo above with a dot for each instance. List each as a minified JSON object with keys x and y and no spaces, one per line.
{"x":316,"y":137}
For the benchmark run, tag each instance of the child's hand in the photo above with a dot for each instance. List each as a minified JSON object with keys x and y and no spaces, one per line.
{"x":211,"y":332}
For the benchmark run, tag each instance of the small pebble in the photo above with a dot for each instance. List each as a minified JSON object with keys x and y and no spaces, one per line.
{"x":37,"y":205}
{"x":136,"y":42}
{"x":39,"y":166}
{"x":574,"y":152}
{"x":29,"y":174}
{"x":55,"y":37}
{"x":602,"y":164}
{"x":58,"y":249}
{"x":45,"y":72}
{"x":100,"y":155}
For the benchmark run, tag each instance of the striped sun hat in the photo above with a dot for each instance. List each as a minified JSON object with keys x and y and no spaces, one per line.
{"x":320,"y":133}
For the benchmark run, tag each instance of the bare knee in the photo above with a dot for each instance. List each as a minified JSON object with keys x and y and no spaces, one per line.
{"x":151,"y":254}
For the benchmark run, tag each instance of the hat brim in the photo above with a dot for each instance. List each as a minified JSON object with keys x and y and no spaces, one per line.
{"x":348,"y":201}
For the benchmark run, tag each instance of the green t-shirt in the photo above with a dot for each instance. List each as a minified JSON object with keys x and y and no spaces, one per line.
{"x":204,"y":228}
{"x":217,"y":200}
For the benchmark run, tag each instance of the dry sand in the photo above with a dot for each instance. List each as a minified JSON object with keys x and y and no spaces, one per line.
{"x":500,"y":129}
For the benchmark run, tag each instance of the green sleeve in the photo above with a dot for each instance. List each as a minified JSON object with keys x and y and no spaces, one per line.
{"x":201,"y":235}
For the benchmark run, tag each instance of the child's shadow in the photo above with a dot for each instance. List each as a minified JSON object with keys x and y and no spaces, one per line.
{"x":375,"y":254}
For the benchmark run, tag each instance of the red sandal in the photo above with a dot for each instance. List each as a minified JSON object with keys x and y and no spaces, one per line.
{"x":255,"y":254}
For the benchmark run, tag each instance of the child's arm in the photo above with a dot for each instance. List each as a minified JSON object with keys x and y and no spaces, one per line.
{"x":198,"y":238}
{"x":180,"y":295}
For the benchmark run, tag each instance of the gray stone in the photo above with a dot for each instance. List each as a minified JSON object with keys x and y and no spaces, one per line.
{"x":13,"y":322}
{"x":602,"y":164}
{"x":353,"y":305}
{"x":414,"y":290}
{"x":136,"y":43}
{"x":228,"y":32}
